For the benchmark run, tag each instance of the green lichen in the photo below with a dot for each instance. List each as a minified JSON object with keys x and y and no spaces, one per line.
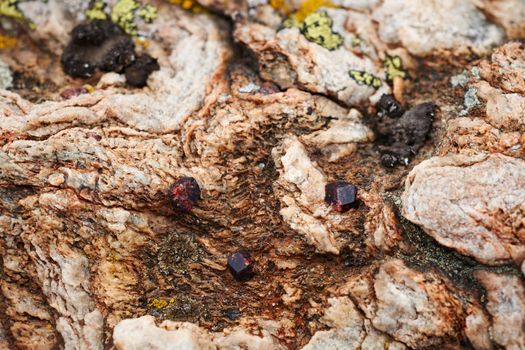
{"x":394,"y":68}
{"x":317,"y":28}
{"x":365,"y":78}
{"x":123,"y":14}
{"x":96,"y":11}
{"x":357,"y":41}
{"x":148,"y":13}
{"x":293,"y":22}
{"x":9,"y":8}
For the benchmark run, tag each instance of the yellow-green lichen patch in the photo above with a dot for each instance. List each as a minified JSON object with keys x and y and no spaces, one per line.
{"x":315,"y":24}
{"x":96,"y":11}
{"x":189,"y":5}
{"x":9,"y":8}
{"x":124,"y":14}
{"x":317,"y":27}
{"x":365,"y":78}
{"x":148,"y":13}
{"x":306,"y":8}
{"x":357,"y":41}
{"x":280,"y":5}
{"x":394,"y":68}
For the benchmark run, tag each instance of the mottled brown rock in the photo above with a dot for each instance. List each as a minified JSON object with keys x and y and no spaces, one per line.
{"x":472,"y":136}
{"x":287,"y":58}
{"x":349,"y":330}
{"x":428,"y":26}
{"x":507,"y":13}
{"x":506,"y":306}
{"x":506,"y":67}
{"x":417,"y":309}
{"x":94,"y":256}
{"x":472,"y":204}
{"x":142,"y":333}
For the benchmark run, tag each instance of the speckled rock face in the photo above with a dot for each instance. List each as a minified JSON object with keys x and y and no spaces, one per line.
{"x":259,"y":105}
{"x":472,"y":204}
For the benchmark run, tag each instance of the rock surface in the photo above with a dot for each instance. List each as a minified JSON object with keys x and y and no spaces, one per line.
{"x":263,"y":103}
{"x":471,"y":204}
{"x":506,"y":306}
{"x":427,"y":26}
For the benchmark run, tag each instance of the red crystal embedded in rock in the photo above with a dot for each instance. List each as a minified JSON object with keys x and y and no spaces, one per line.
{"x":268,"y":88}
{"x":184,"y":193}
{"x":72,"y":92}
{"x":240,"y":265}
{"x":341,"y":195}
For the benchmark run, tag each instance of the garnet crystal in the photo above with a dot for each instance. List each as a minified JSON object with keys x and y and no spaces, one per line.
{"x":341,"y":195}
{"x":184,"y":193}
{"x":240,"y":265}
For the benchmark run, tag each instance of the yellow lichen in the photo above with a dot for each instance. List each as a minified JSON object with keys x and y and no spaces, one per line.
{"x":125,"y":11}
{"x":9,"y":8}
{"x":139,"y":41}
{"x":122,"y":14}
{"x":190,"y":5}
{"x":96,"y":11}
{"x":148,"y":13}
{"x":308,"y":7}
{"x":7,"y":42}
{"x":365,"y":78}
{"x":158,"y":303}
{"x":280,"y":5}
{"x":357,"y":41}
{"x":317,"y":27}
{"x":88,"y":88}
{"x":394,"y":68}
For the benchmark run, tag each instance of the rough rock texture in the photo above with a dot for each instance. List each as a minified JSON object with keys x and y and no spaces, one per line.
{"x":472,"y":204}
{"x":506,"y":306}
{"x":423,"y":27}
{"x":142,"y":333}
{"x":398,"y":306}
{"x":262,"y":116}
{"x":349,"y":330}
{"x":507,"y":13}
{"x":287,"y":58}
{"x":416,"y":309}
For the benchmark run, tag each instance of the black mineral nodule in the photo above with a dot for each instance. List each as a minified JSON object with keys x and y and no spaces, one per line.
{"x":97,"y":45}
{"x":137,"y":73}
{"x":388,"y":106}
{"x":400,"y":136}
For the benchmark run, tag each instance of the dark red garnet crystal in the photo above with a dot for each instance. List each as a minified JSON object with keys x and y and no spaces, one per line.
{"x":341,"y":195}
{"x":240,"y":265}
{"x":184,"y":193}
